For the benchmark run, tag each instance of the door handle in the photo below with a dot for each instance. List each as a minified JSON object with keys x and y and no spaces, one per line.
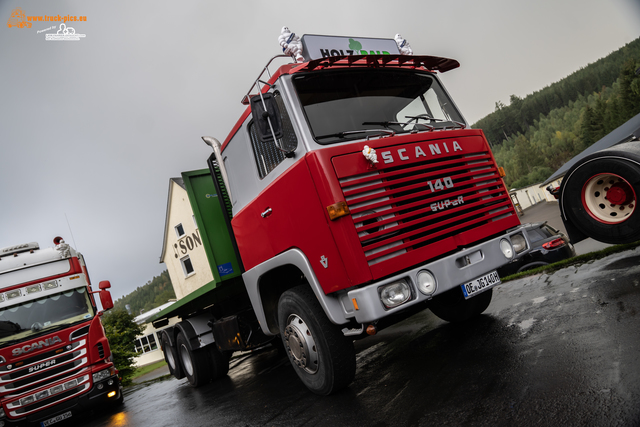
{"x":266,"y":213}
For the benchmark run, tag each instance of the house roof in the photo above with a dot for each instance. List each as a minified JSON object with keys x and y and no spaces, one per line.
{"x":627,"y":132}
{"x":146,"y":315}
{"x":180,"y":183}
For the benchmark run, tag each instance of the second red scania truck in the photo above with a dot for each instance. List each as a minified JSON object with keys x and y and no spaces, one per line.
{"x":55,"y":360}
{"x":350,"y":194}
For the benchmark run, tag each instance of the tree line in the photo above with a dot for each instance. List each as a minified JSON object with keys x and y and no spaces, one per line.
{"x":154,"y":293}
{"x":533,"y":136}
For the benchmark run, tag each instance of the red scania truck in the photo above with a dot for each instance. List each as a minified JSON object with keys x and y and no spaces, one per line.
{"x":54,"y":355}
{"x":350,"y":194}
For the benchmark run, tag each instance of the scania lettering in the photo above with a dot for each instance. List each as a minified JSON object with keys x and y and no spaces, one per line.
{"x":55,"y":360}
{"x":350,"y":195}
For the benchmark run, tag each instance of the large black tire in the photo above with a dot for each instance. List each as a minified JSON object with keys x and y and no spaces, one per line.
{"x":452,"y":307}
{"x":599,"y":195}
{"x":219,"y":362}
{"x":171,"y":357}
{"x":195,"y":364}
{"x":321,"y":355}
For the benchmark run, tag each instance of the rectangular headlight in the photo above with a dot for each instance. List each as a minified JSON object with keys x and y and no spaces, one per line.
{"x":395,"y":294}
{"x":99,"y":376}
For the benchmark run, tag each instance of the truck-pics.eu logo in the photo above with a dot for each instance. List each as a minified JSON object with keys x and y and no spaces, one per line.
{"x":18,"y":19}
{"x":64,"y":34}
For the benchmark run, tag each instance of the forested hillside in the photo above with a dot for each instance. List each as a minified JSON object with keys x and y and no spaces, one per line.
{"x":535,"y":135}
{"x":155,"y":293}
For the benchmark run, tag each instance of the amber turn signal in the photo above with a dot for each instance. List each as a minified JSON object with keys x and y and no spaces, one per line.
{"x":501,"y":172}
{"x":337,"y":210}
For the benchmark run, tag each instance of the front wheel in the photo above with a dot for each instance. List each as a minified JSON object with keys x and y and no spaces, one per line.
{"x":452,"y":307}
{"x":321,"y":355}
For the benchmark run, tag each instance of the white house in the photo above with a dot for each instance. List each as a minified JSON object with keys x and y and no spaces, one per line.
{"x":147,"y":345}
{"x":182,"y":249}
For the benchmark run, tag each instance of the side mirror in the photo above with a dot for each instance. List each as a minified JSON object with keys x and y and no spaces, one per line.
{"x":266,"y":115}
{"x":105,"y":299}
{"x":105,"y":284}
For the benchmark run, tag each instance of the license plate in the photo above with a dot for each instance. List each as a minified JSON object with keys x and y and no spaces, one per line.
{"x":480,"y":284}
{"x":56,"y":419}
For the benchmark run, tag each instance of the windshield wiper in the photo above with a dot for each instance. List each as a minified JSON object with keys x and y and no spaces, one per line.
{"x":344,"y":134}
{"x":385,"y":124}
{"x":428,"y":117}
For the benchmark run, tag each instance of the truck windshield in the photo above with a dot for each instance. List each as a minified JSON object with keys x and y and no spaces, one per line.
{"x":342,"y":105}
{"x":37,"y":316}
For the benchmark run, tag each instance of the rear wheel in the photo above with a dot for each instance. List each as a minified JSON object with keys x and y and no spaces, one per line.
{"x":194,"y":363}
{"x":171,"y":357}
{"x":452,"y":307}
{"x":321,"y":355}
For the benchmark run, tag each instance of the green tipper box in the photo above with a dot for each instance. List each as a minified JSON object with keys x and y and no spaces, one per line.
{"x":207,"y":209}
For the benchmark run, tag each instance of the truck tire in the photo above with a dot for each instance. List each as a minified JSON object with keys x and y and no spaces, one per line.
{"x":452,"y":307}
{"x":219,"y":362}
{"x":321,"y":355}
{"x":195,"y":364}
{"x":600,"y":196}
{"x":171,"y":357}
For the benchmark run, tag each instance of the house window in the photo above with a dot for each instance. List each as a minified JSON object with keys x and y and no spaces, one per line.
{"x":179,"y":230}
{"x":146,"y":344}
{"x":187,"y":267}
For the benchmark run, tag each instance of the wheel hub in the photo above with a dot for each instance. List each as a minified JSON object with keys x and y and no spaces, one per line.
{"x":300,"y":344}
{"x":609,"y":198}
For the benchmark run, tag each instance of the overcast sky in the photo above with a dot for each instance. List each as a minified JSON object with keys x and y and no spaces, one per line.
{"x":92,"y":130}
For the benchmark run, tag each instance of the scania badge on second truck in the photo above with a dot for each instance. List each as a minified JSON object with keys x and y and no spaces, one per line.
{"x":350,"y":194}
{"x":54,"y":355}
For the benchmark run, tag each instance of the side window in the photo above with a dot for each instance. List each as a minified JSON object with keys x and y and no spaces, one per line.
{"x":187,"y":267}
{"x":267,"y":154}
{"x":179,"y":230}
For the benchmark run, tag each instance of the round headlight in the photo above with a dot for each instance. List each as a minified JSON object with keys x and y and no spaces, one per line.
{"x":395,"y":294}
{"x":426,"y":282}
{"x":506,"y":248}
{"x":518,"y":242}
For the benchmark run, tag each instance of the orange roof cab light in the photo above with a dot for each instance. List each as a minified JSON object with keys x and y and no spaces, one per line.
{"x":337,"y":210}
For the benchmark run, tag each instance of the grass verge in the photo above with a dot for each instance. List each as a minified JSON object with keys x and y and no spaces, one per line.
{"x":578,"y":260}
{"x":147,"y":368}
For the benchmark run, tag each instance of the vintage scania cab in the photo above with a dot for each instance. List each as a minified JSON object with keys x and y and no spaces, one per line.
{"x":352,"y":194}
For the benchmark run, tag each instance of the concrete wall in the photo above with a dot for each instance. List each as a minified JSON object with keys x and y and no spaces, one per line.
{"x":533,"y":194}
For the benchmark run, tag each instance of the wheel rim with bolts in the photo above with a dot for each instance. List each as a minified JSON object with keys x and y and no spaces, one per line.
{"x":609,"y":198}
{"x":300,"y":344}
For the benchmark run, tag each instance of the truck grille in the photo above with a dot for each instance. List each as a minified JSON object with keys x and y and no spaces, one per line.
{"x":44,"y":380}
{"x":409,"y":211}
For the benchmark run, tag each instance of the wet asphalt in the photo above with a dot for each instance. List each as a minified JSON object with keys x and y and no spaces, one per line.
{"x":561,"y":349}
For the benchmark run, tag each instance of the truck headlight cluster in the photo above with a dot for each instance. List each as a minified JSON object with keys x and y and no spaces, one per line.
{"x":395,"y":294}
{"x":506,"y":248}
{"x":519,"y":243}
{"x":426,"y":282}
{"x":101,"y":375}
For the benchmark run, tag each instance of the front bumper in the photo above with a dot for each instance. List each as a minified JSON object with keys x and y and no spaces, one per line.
{"x":95,"y":398}
{"x":450,"y":272}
